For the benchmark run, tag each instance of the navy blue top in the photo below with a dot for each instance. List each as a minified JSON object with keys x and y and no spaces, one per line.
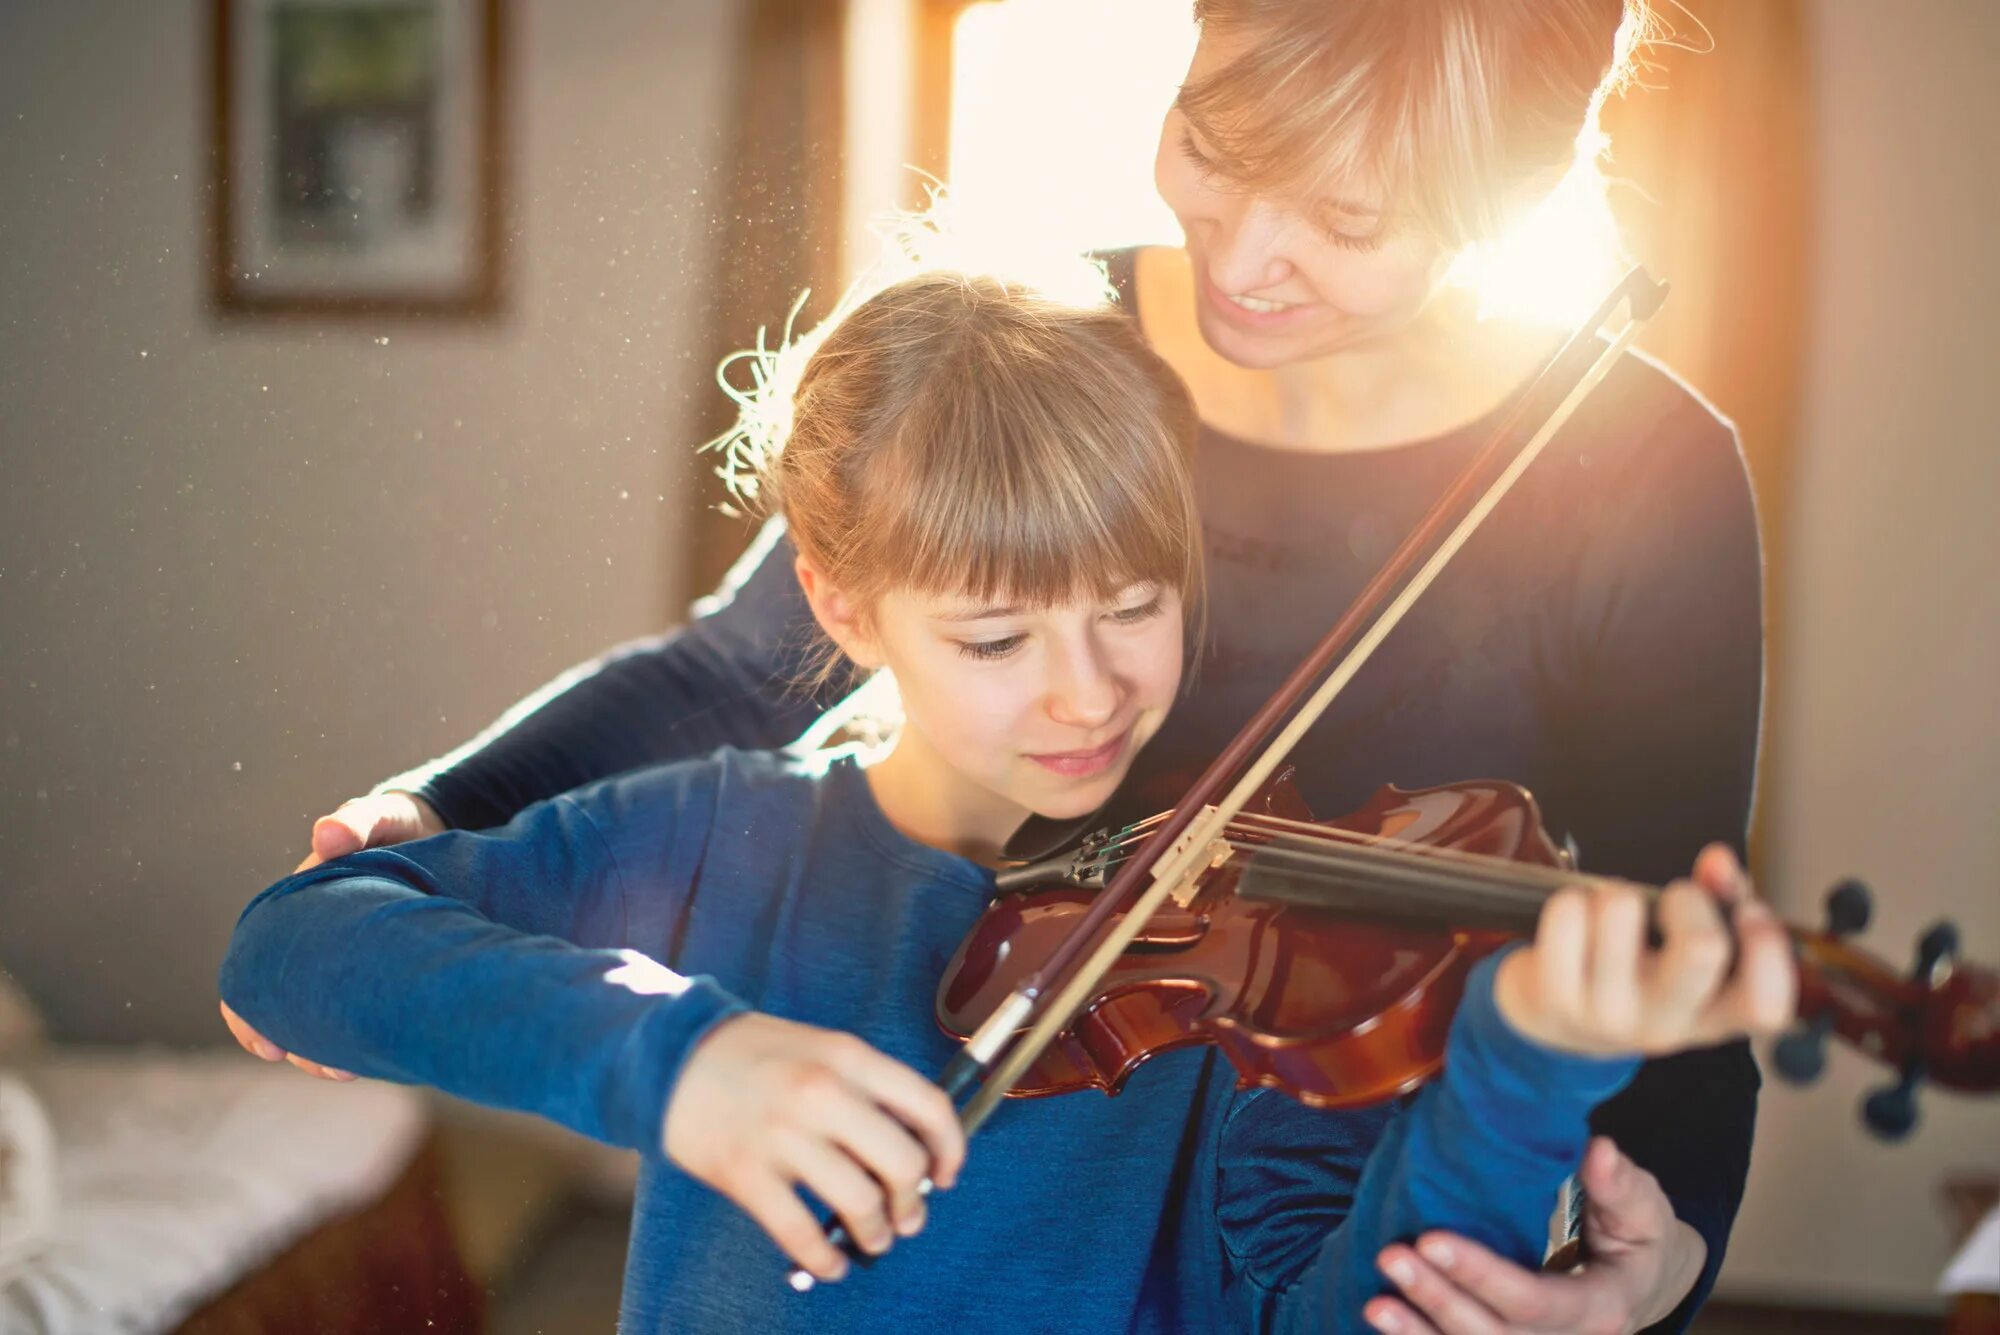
{"x":529,"y":968}
{"x":1600,"y":641}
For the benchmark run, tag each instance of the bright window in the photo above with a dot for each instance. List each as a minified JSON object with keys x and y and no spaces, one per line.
{"x":1056,"y":110}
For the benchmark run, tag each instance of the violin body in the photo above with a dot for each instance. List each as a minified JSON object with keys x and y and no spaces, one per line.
{"x":1339,"y":1009}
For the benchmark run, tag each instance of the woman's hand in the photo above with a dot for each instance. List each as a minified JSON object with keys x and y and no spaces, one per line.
{"x":765,"y":1106}
{"x":1591,"y":984}
{"x":1641,"y":1261}
{"x":375,"y":821}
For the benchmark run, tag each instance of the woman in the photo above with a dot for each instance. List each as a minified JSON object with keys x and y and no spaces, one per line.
{"x":1599,"y":641}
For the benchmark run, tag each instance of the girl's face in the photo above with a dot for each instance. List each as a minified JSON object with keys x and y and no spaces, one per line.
{"x":1284,"y":281}
{"x":1015,"y":711}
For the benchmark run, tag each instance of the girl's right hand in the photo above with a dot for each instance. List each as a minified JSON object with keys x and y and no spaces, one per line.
{"x":765,"y":1106}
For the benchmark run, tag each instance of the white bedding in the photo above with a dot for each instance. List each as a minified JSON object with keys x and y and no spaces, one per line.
{"x":174,"y":1175}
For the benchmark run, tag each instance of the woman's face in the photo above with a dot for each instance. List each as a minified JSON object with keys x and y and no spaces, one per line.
{"x":1038,"y":709}
{"x":1283,"y":281}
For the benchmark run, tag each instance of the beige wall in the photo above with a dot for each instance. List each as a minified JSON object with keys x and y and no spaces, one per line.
{"x":247,"y":568}
{"x":1886,"y":726}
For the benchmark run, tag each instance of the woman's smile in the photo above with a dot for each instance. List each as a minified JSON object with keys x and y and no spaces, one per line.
{"x":1252,"y":312}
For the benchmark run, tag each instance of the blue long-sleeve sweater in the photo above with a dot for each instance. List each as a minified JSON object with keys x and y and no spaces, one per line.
{"x":567,"y":964}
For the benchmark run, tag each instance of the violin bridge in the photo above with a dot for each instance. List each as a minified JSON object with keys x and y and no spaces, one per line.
{"x":1190,"y":884}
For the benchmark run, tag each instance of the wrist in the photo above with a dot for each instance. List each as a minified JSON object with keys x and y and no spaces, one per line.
{"x":658,"y":1052}
{"x":1518,"y":998}
{"x":1526,"y":1075}
{"x":1517,"y":1086}
{"x":674,"y":1125}
{"x":428,"y":820}
{"x":1685,"y":1252}
{"x":1514,"y":997}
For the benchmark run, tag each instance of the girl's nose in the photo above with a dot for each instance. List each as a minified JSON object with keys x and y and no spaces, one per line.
{"x":1084,"y":692}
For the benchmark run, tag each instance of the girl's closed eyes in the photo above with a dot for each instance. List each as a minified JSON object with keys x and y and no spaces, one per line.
{"x":1004,"y":645}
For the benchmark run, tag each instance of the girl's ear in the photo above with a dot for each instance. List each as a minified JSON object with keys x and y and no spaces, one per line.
{"x":839,"y":616}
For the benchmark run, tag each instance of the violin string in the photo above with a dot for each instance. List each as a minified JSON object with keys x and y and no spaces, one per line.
{"x":1354,"y":848}
{"x":1262,"y":822}
{"x":1407,"y":887}
{"x":1367,"y":861}
{"x":1502,"y":873}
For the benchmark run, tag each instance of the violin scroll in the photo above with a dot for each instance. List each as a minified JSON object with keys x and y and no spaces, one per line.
{"x":1940,"y":1023}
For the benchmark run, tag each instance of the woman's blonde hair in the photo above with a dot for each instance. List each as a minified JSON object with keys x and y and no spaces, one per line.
{"x":958,"y":434}
{"x":1462,"y":112}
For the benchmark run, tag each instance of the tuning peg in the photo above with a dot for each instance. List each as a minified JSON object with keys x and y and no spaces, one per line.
{"x":1848,"y":908}
{"x":1891,"y":1111}
{"x":1936,"y":953}
{"x":1800,"y":1054}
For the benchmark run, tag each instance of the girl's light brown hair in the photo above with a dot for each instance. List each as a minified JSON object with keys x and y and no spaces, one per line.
{"x":956,"y":434}
{"x":1461,"y":112}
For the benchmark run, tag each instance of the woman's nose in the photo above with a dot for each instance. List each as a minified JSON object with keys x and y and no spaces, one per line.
{"x":1244,"y":255}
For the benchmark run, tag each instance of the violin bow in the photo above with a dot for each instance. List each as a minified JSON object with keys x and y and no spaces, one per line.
{"x":1191,"y":840}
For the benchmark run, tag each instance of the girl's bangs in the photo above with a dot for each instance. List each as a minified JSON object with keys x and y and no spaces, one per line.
{"x":1030,"y":520}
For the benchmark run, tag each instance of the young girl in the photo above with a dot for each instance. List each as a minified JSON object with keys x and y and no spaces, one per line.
{"x":728,"y":964}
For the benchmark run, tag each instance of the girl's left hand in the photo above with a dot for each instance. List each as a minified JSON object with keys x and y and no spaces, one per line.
{"x":1590,"y":983}
{"x":1643,"y":1260}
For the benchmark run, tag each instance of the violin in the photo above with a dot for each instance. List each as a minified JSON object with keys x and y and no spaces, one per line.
{"x":1325,"y":958}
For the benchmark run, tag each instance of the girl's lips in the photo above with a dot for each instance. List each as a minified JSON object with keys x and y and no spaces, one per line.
{"x":1218,"y":301}
{"x":1082,"y":764}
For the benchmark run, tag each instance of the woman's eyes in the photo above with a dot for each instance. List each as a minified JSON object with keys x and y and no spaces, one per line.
{"x":1000,"y":648}
{"x":1346,"y":240}
{"x":1195,"y":155}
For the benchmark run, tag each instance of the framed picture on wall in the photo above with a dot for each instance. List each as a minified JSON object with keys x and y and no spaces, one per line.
{"x":356,"y":156}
